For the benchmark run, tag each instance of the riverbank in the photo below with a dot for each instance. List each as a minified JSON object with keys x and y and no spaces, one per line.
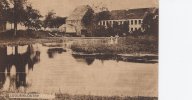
{"x":91,"y":97}
{"x":125,"y":45}
{"x":58,"y":96}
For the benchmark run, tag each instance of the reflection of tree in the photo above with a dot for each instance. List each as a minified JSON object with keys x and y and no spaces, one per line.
{"x":20,"y":61}
{"x":51,"y":52}
{"x":87,"y":60}
{"x":3,"y":60}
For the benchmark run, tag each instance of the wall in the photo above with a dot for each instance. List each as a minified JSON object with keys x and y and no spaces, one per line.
{"x":132,"y":25}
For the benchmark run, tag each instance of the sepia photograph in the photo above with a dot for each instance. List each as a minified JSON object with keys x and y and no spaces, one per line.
{"x":79,"y":49}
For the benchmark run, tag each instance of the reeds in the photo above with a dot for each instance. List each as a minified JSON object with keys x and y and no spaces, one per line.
{"x":130,"y":45}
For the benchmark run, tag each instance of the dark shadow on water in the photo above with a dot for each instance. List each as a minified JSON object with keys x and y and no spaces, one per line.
{"x":51,"y":52}
{"x":89,"y":61}
{"x":104,"y":57}
{"x":20,"y":61}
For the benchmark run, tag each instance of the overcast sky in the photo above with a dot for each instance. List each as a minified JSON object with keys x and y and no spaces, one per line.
{"x":65,"y":7}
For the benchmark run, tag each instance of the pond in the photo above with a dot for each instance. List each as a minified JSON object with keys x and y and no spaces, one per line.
{"x":55,"y":68}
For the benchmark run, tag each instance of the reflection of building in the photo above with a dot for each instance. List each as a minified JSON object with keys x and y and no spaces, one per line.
{"x":21,"y":62}
{"x":75,"y":22}
{"x":133,"y":18}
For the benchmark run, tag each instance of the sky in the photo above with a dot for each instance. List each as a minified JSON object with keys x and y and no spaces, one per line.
{"x":65,"y":7}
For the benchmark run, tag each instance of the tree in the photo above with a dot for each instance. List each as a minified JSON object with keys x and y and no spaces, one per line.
{"x":150,"y":23}
{"x":19,"y":12}
{"x":88,"y":17}
{"x":103,"y":15}
{"x":4,"y":6}
{"x":126,"y":27}
{"x":10,"y":15}
{"x":99,"y":31}
{"x":48,"y":18}
{"x":57,"y":22}
{"x":53,"y":21}
{"x":32,"y":18}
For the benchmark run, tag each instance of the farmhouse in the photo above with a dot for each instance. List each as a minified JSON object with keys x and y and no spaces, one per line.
{"x":133,"y":18}
{"x":77,"y":21}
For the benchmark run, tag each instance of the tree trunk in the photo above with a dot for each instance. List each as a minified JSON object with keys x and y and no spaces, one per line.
{"x":16,"y":50}
{"x":15,"y":28}
{"x":15,"y":18}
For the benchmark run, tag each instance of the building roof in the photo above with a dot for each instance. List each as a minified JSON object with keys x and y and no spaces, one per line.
{"x":118,"y":14}
{"x":138,"y":13}
{"x":79,"y":12}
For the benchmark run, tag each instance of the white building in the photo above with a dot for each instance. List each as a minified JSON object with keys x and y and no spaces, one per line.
{"x":133,"y":18}
{"x":134,"y":24}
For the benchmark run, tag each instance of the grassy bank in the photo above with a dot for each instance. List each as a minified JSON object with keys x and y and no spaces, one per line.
{"x":90,"y":97}
{"x":5,"y":96}
{"x":131,"y":45}
{"x":26,"y":41}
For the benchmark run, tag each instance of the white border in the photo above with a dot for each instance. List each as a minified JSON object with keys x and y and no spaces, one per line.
{"x":175,"y":70}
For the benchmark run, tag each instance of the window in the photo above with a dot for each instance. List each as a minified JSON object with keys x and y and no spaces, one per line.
{"x":139,"y":21}
{"x":103,"y":22}
{"x":135,"y":22}
{"x":131,"y":22}
{"x":131,"y":29}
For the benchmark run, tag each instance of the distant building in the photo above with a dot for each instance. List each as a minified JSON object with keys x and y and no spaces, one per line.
{"x":75,"y":23}
{"x":133,"y":18}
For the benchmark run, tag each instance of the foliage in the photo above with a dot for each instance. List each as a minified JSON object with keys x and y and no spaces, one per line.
{"x":57,"y":21}
{"x":53,"y":21}
{"x":88,"y":17}
{"x":19,"y":11}
{"x":32,"y":18}
{"x":91,"y":20}
{"x":150,"y":23}
{"x":103,"y":15}
{"x":145,"y":44}
{"x":47,"y":22}
{"x":111,"y":30}
{"x":4,"y":6}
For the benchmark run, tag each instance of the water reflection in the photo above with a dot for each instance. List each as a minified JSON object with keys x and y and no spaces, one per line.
{"x":52,"y":51}
{"x":108,"y":74}
{"x":15,"y":66}
{"x":89,"y":58}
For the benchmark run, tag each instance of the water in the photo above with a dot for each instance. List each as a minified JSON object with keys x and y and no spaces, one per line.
{"x":53,"y":68}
